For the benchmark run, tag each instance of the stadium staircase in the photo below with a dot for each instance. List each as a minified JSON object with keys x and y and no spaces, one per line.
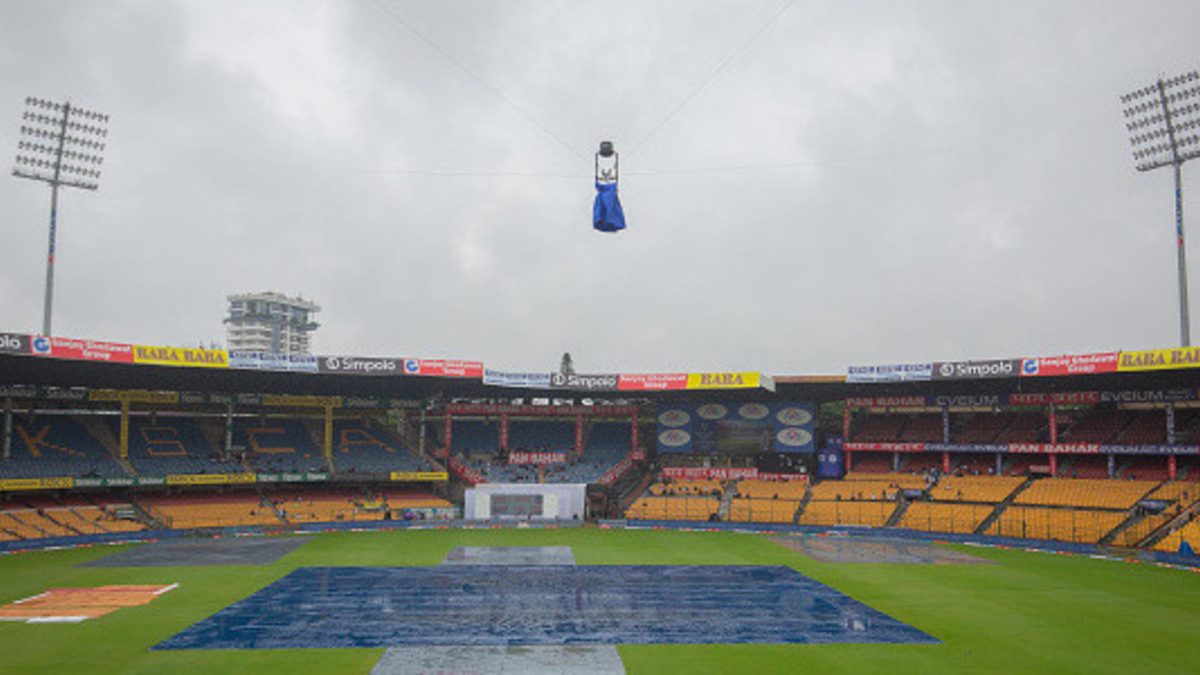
{"x":901,"y":507}
{"x":96,"y":427}
{"x":1008,"y":501}
{"x":808,"y":493}
{"x":1135,"y":516}
{"x":1192,"y":511}
{"x":728,"y":488}
{"x":213,"y":433}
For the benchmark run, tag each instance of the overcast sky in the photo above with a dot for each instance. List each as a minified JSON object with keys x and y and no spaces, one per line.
{"x":808,"y":185}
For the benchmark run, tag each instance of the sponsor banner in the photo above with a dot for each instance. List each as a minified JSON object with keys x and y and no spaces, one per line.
{"x":267,"y":361}
{"x":211,"y":478}
{"x":892,"y":372}
{"x":537,"y":457}
{"x":306,"y":477}
{"x":83,"y":350}
{"x":985,"y":401}
{"x":18,"y":391}
{"x":301,"y":401}
{"x":1160,"y":396}
{"x":1150,"y":449}
{"x":809,"y":379}
{"x":616,"y":471}
{"x":360,"y":365}
{"x":14,"y":343}
{"x":1057,"y":398}
{"x":711,"y":473}
{"x":976,"y":370}
{"x":63,"y":393}
{"x":134,"y":396}
{"x":127,"y":481}
{"x":443,"y":368}
{"x":886,"y":402}
{"x":59,"y":483}
{"x":576,"y":382}
{"x":652,"y":382}
{"x":966,"y":447}
{"x":465,"y":472}
{"x":729,"y":381}
{"x":191,"y":357}
{"x":884,"y":447}
{"x":1160,"y":359}
{"x":541,"y":410}
{"x":500,"y":378}
{"x":1076,"y":364}
{"x":363,"y":402}
{"x":1055,"y":448}
{"x":420,"y":476}
{"x":798,"y":477}
{"x":675,"y":440}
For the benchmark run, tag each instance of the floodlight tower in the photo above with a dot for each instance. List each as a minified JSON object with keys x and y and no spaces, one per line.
{"x":61,"y":145}
{"x":1163,"y":120}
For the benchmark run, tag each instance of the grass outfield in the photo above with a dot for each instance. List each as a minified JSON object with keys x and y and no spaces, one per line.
{"x":1028,"y":612}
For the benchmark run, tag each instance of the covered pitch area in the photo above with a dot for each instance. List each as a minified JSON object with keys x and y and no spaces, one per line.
{"x":706,"y":588}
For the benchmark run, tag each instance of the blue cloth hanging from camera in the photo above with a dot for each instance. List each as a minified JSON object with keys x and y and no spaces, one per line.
{"x":607,"y":215}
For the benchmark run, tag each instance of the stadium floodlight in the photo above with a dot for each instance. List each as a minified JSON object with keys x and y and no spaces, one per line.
{"x":1163,"y":120}
{"x":61,"y":145}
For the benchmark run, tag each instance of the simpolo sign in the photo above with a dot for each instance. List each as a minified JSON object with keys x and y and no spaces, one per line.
{"x":584,"y":382}
{"x":976,"y":370}
{"x":14,"y":343}
{"x":359,"y":365}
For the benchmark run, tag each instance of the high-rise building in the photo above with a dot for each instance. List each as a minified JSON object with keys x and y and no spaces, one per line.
{"x":270,"y":323}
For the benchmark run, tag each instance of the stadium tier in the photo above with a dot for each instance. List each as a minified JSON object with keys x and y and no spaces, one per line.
{"x":57,"y":445}
{"x":360,"y":447}
{"x":175,"y":445}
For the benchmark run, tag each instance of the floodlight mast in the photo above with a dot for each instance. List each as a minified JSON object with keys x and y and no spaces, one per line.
{"x":46,"y":130}
{"x":1163,"y":120}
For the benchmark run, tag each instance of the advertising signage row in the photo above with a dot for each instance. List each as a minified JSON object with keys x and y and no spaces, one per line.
{"x":1045,"y":366}
{"x":66,"y":482}
{"x":1027,"y":448}
{"x":610,"y":382}
{"x":1026,"y":399}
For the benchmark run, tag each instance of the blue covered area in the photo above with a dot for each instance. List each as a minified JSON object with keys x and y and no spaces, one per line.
{"x":542,"y":605}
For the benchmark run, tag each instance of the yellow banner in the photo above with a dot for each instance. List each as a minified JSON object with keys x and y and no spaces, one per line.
{"x":298,"y":401}
{"x":420,"y":476}
{"x":210,"y":478}
{"x":724,"y":381}
{"x":37,"y":483}
{"x":180,"y":356}
{"x":1160,"y":359}
{"x":133,"y":396}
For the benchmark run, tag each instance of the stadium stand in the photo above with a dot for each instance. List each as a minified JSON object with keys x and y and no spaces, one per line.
{"x":278,"y":445}
{"x":174,"y":445}
{"x":1056,"y":524}
{"x":1173,"y":542}
{"x":748,"y":510}
{"x":360,"y":447}
{"x":868,"y":514}
{"x":1091,"y":493}
{"x":991,"y":489}
{"x":57,"y":445}
{"x":210,"y":510}
{"x":673,"y":508}
{"x":941,"y":517}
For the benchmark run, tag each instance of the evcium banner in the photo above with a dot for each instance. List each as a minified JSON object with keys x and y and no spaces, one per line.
{"x":360,"y":365}
{"x":976,"y":370}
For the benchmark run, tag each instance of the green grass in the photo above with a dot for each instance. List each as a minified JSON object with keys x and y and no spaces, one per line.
{"x":1027,"y":612}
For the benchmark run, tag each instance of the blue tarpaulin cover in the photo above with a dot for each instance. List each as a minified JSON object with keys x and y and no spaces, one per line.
{"x":607,"y":215}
